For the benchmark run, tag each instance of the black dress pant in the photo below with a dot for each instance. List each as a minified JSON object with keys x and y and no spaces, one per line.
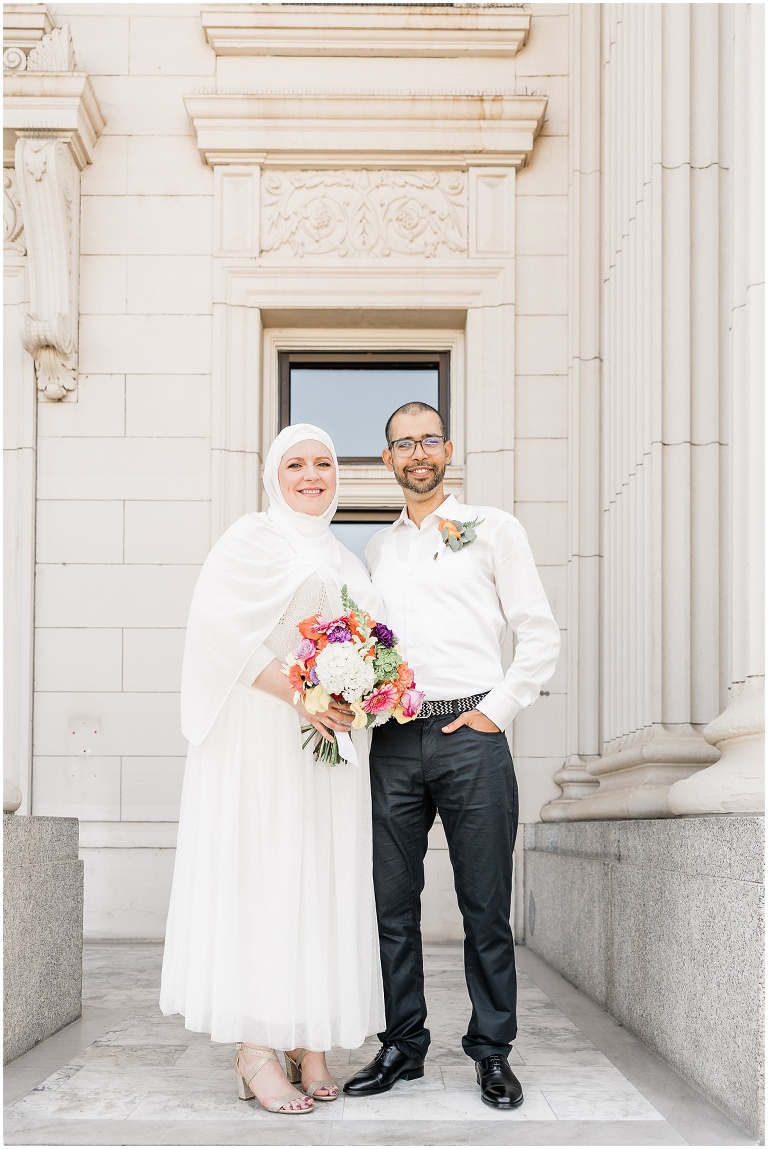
{"x":468,"y":777}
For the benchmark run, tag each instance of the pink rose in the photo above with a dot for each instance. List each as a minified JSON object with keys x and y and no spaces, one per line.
{"x":305,"y":649}
{"x":383,"y":698}
{"x":411,"y":701}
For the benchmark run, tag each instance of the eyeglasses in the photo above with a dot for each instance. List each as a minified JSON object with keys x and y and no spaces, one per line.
{"x":431,"y":444}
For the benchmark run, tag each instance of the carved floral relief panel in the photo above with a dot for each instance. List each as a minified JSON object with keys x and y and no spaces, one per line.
{"x":13,"y":223}
{"x":364,"y":213}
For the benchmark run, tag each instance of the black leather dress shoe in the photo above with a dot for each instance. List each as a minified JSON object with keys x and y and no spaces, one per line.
{"x":388,"y":1066}
{"x":498,"y":1085}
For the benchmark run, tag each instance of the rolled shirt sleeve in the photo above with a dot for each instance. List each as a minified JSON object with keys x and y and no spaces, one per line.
{"x":528,"y":614}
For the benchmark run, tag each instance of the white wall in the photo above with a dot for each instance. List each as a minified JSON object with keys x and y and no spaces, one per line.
{"x":124,"y":464}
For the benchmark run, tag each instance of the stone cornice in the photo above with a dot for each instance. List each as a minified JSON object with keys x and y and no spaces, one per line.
{"x":57,"y":105}
{"x":364,"y":30}
{"x":24,"y":26}
{"x":358,"y":129}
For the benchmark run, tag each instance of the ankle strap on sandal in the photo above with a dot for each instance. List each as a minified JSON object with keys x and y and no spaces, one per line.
{"x":261,"y":1054}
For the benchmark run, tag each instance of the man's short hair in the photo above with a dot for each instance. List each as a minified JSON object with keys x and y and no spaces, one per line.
{"x":412,"y":409}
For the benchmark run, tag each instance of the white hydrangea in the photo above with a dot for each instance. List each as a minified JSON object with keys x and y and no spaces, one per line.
{"x":341,"y":670}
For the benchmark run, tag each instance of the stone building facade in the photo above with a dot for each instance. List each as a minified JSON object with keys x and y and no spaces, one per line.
{"x":563,"y":201}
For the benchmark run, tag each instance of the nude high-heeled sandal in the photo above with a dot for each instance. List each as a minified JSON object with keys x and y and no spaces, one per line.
{"x":293,"y":1072}
{"x":247,"y":1065}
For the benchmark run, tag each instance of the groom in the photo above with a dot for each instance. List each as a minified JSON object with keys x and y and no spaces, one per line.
{"x":453,"y":578}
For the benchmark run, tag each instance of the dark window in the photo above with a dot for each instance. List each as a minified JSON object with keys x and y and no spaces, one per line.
{"x":352,"y":394}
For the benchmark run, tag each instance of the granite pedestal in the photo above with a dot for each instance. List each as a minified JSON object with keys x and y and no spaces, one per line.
{"x":42,"y":929}
{"x":661,"y":922}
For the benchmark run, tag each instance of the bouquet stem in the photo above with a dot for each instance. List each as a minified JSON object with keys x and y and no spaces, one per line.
{"x":324,"y":751}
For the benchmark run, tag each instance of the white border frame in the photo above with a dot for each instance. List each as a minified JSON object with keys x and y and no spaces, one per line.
{"x":366,"y":486}
{"x":244,"y":416}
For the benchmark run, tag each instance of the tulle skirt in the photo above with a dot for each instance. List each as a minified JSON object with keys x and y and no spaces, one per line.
{"x":271,"y":935}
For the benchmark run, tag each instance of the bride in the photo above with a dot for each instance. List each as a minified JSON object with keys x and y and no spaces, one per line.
{"x":271,"y":939}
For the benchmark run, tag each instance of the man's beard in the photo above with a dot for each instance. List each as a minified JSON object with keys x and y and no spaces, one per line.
{"x":422,"y":486}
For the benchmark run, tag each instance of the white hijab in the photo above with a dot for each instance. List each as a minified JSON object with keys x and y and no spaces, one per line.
{"x":309,"y":535}
{"x":247,"y":583}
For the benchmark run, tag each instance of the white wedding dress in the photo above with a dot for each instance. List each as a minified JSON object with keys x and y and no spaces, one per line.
{"x":271,"y":935}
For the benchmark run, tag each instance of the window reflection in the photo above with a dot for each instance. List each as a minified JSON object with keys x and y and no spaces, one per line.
{"x":353,"y":401}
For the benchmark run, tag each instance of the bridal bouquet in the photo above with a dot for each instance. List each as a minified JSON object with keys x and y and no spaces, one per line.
{"x":355,"y":659}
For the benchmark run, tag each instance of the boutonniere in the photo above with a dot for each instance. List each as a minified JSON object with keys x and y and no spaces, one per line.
{"x":457,"y":535}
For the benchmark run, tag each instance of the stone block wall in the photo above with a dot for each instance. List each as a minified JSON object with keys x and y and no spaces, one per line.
{"x":123,"y":510}
{"x":126,"y":463}
{"x":42,"y":930}
{"x":661,"y":922}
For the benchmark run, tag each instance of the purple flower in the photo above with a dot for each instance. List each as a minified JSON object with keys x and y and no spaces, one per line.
{"x":338,"y":632}
{"x":313,"y":676}
{"x":305,"y":649}
{"x":384,"y":634}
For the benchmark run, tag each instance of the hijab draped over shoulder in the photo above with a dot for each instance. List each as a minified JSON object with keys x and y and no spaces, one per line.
{"x":247,"y":583}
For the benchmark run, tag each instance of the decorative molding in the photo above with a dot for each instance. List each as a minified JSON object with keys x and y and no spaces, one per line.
{"x":744,"y":717}
{"x":13,"y":220}
{"x":364,"y":213}
{"x":247,"y":341}
{"x":736,"y":783}
{"x":351,"y":306}
{"x":574,"y":783}
{"x":363,"y":30}
{"x":334,"y":130}
{"x":52,"y":121}
{"x":49,"y":190}
{"x":372,"y":488}
{"x":14,"y":59}
{"x":24,"y":26}
{"x":635,"y":778}
{"x":54,"y":105}
{"x":492,"y":224}
{"x":54,"y":53}
{"x":236,"y":210}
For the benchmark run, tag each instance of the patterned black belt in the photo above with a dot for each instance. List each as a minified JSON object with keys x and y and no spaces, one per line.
{"x":450,"y":706}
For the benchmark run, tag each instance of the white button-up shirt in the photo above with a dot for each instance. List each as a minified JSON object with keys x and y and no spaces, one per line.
{"x":450,"y":610}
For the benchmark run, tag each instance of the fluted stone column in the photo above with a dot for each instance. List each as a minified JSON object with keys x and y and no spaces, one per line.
{"x":664,"y":322}
{"x":53,"y":119}
{"x":19,"y":468}
{"x":582,"y":731}
{"x":735,"y":783}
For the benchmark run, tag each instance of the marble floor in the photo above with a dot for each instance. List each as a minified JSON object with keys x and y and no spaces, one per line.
{"x":125,"y":1075}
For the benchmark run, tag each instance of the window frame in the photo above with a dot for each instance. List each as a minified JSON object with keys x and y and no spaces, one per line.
{"x":395,"y":359}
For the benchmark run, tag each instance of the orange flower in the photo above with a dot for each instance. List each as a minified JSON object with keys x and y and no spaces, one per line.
{"x":449,"y":526}
{"x":297,"y":677}
{"x":308,"y":628}
{"x":354,"y":625}
{"x":404,"y":677}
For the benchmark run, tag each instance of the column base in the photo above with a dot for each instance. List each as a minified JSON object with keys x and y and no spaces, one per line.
{"x":575,"y":783}
{"x":735,"y":784}
{"x":11,"y":796}
{"x":635,"y":779}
